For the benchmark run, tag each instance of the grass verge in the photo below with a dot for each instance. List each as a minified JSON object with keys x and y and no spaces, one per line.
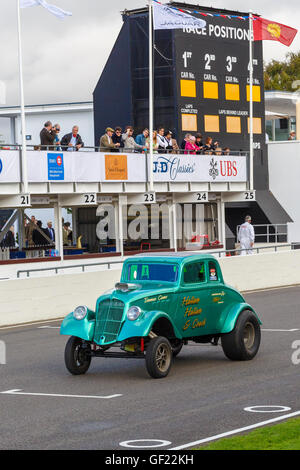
{"x":283,"y":436}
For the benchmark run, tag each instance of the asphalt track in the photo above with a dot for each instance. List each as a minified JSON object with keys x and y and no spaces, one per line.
{"x":204,"y":395}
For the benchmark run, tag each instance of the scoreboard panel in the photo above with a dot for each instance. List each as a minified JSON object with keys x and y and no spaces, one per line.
{"x":212,"y":83}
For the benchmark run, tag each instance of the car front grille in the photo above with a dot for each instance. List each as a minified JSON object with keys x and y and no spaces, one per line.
{"x":108,"y":321}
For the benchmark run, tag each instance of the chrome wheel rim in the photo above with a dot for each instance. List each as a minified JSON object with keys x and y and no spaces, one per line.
{"x":249,"y":335}
{"x":163,"y":357}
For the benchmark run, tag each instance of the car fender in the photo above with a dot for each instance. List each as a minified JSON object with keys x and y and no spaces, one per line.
{"x":143,"y":325}
{"x":233,"y":314}
{"x":83,"y":329}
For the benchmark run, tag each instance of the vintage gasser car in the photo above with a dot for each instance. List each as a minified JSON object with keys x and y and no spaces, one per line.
{"x":162,"y":302}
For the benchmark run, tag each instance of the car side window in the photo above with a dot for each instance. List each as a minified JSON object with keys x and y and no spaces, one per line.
{"x":194,"y":273}
{"x":213,"y":272}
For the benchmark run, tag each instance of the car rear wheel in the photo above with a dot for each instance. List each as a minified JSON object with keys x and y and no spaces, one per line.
{"x":243,"y":342}
{"x":77,"y":356}
{"x":159,"y":357}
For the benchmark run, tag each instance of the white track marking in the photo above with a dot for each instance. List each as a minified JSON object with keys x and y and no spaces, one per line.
{"x":236,"y":431}
{"x":24,"y":325}
{"x":288,"y":331}
{"x":276,"y":409}
{"x":48,"y":327}
{"x":132,"y":444}
{"x":19,"y":392}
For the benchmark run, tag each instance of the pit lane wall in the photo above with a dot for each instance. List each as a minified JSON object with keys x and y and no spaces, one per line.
{"x":47,"y":298}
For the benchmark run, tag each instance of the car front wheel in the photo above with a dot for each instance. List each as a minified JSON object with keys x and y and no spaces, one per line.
{"x":159,"y":357}
{"x":77,"y":356}
{"x":243,"y":342}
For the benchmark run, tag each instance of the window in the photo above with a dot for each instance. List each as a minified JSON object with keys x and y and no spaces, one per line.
{"x":152,"y":272}
{"x":194,"y":273}
{"x":213,"y":272}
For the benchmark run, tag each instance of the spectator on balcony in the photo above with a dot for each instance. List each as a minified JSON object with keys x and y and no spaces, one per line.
{"x":129,"y":142}
{"x":29,"y":228}
{"x":9,"y":239}
{"x":141,"y":138}
{"x":47,"y":136}
{"x":209,"y":145}
{"x":67,"y":234}
{"x":50,"y":232}
{"x":199,"y":143}
{"x":218,"y":151}
{"x":226,"y":151}
{"x":56,"y":142}
{"x":170,"y":141}
{"x":162,"y":141}
{"x":185,"y":140}
{"x":174,"y":144}
{"x":106,"y":142}
{"x":37,"y":235}
{"x":72,"y":142}
{"x":190,"y":147}
{"x":117,"y":139}
{"x":155,"y":142}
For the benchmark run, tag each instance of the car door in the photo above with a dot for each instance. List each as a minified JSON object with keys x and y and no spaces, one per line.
{"x":216,"y":296}
{"x":193,"y":300}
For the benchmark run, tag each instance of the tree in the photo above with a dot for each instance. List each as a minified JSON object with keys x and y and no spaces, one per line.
{"x":281,"y":75}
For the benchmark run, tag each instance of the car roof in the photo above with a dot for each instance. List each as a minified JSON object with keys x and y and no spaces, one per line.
{"x":179,"y":257}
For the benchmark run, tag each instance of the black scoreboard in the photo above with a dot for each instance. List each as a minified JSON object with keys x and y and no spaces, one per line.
{"x":212,"y":83}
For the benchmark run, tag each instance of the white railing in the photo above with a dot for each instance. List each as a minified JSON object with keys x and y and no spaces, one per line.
{"x":272,"y":232}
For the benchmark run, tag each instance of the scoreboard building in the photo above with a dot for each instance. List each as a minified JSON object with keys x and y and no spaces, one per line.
{"x":201,"y":84}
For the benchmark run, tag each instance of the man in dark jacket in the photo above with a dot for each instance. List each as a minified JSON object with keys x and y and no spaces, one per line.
{"x":50,"y":232}
{"x":37,"y":235}
{"x":47,"y":136}
{"x":9,"y":239}
{"x":72,"y":142}
{"x":117,"y":139}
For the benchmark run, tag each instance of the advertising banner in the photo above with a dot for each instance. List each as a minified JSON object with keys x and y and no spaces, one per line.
{"x":100,"y":167}
{"x":9,"y":167}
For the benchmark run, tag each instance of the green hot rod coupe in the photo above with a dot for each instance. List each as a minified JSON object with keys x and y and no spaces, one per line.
{"x":162,"y":302}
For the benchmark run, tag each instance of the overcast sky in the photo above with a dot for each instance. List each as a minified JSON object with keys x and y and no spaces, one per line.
{"x":63,"y":59}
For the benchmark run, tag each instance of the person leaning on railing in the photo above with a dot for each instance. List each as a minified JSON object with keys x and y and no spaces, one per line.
{"x":117,"y":139}
{"x":129,"y":142}
{"x":72,"y":141}
{"x":190,"y":147}
{"x":141,"y":138}
{"x":106,"y":142}
{"x":155,"y":142}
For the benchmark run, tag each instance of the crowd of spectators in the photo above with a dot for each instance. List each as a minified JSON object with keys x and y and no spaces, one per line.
{"x":163,"y":142}
{"x":38,"y":236}
{"x":115,"y":140}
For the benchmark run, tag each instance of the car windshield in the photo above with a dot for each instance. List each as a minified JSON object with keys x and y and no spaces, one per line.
{"x":151,"y":272}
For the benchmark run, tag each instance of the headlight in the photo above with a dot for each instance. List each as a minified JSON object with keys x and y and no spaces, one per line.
{"x":133,"y":313}
{"x":80,"y":312}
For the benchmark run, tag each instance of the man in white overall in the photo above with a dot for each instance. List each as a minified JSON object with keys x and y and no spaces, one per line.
{"x":246,"y":237}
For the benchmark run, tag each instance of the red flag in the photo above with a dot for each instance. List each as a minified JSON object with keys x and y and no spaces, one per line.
{"x":270,"y":30}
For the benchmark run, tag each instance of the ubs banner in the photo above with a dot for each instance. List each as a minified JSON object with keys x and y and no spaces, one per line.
{"x":212,"y":80}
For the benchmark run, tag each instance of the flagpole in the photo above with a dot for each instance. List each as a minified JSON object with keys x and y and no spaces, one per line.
{"x":251,"y":97}
{"x":23,"y":127}
{"x":151,"y":93}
